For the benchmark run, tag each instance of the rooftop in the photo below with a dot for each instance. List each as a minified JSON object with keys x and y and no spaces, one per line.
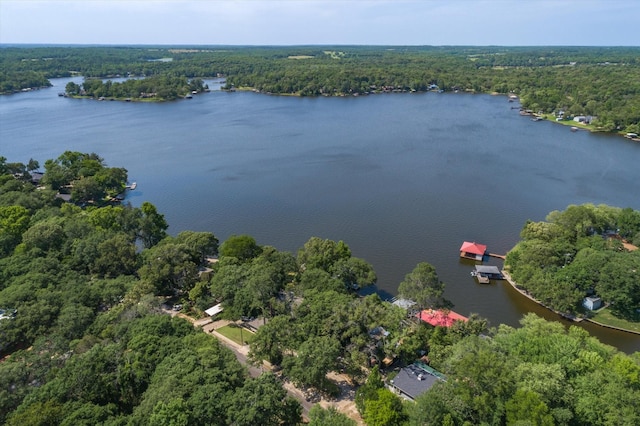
{"x":214,"y":310}
{"x":486,"y":269}
{"x":414,"y":380}
{"x":440,"y":317}
{"x":474,"y":248}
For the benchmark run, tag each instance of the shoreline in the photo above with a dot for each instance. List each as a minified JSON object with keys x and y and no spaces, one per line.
{"x":612,"y":327}
{"x":579,"y":126}
{"x":542,"y":117}
{"x":513,"y":284}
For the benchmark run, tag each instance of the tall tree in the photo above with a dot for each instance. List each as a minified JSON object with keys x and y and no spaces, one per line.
{"x":319,"y":416}
{"x":263,"y":401}
{"x":313,"y":360}
{"x":242,"y":247}
{"x":153,"y":227}
{"x":423,"y":286}
{"x":322,"y":254}
{"x":199,"y":244}
{"x":384,"y":410}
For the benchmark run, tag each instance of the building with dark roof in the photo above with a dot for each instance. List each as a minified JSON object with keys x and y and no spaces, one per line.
{"x":414,"y":380}
{"x":484,"y":273}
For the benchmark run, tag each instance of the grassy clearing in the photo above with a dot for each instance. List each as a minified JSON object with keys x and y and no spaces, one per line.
{"x":300,"y":57}
{"x":334,"y":54}
{"x":605,"y":317}
{"x":237,"y":334}
{"x":570,"y":123}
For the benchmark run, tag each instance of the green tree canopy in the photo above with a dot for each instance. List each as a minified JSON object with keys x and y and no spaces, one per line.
{"x":423,"y":286}
{"x":242,"y":247}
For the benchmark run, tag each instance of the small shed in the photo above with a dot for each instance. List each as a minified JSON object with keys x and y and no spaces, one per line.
{"x":592,"y":303}
{"x":472,"y":250}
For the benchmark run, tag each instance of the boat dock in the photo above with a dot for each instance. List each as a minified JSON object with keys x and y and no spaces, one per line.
{"x":477,"y":252}
{"x":484,"y":274}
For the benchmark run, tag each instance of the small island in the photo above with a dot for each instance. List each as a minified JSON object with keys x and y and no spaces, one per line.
{"x":150,"y":89}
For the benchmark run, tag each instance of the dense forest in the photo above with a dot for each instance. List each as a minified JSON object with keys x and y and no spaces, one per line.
{"x":84,"y":337}
{"x":578,"y":252}
{"x":601,"y":82}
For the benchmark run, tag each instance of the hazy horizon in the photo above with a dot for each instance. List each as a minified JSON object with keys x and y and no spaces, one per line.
{"x":597,"y":23}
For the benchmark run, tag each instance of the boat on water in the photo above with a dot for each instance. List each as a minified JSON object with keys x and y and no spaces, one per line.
{"x":574,"y":129}
{"x":132,"y":186}
{"x":632,"y":136}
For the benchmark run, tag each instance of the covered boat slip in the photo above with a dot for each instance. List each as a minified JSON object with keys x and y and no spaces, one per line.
{"x":472,"y":250}
{"x":485,"y":273}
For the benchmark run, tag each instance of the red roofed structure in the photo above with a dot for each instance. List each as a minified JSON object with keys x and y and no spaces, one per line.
{"x":472,"y":251}
{"x":440,"y":317}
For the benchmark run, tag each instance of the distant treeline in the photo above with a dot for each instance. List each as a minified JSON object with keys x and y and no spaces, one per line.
{"x":603,"y":82}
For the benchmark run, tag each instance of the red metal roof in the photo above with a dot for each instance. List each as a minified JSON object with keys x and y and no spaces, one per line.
{"x":440,"y":317}
{"x":474,"y":248}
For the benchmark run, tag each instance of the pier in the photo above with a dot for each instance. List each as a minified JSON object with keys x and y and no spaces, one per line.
{"x":499,"y":256}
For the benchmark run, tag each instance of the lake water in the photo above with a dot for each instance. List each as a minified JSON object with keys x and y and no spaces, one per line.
{"x":401,"y":178}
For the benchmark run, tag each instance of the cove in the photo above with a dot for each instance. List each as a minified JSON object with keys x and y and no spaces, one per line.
{"x":401,"y":178}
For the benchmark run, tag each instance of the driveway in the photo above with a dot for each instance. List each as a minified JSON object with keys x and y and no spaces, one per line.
{"x":344,"y":404}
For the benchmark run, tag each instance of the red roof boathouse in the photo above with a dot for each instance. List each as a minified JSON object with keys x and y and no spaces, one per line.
{"x":473,"y":251}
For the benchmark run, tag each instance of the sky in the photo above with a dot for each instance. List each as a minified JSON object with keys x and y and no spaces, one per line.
{"x":322,"y":22}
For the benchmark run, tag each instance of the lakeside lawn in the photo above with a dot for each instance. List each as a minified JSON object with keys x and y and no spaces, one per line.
{"x":236,"y":333}
{"x":605,"y":317}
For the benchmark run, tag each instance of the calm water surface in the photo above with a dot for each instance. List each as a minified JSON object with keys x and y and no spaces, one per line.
{"x":400,"y":178}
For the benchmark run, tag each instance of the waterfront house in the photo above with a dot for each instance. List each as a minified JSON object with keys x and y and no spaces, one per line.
{"x":592,"y":303}
{"x":414,"y":380}
{"x":473,"y":251}
{"x":440,"y":317}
